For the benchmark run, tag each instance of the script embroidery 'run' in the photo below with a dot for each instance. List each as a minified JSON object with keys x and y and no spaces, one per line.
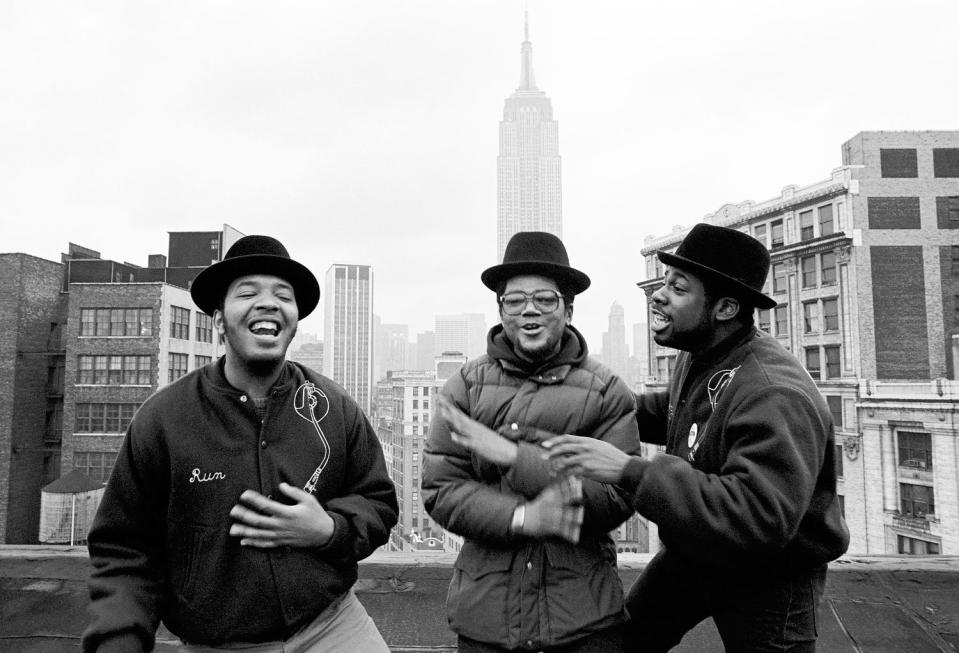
{"x":197,"y":477}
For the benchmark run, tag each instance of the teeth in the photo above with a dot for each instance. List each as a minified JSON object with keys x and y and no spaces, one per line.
{"x":264,"y":326}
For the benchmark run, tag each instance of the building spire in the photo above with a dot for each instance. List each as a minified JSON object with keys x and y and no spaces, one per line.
{"x":526,"y":81}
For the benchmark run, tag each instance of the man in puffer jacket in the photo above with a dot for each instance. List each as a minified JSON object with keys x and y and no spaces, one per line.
{"x":537,"y":570}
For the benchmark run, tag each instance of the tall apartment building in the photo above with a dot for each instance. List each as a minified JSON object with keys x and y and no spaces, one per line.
{"x":88,"y":340}
{"x":865,"y":267}
{"x":403,"y":414}
{"x":31,"y":388}
{"x":348,"y":330}
{"x":528,"y":169}
{"x":464,"y":333}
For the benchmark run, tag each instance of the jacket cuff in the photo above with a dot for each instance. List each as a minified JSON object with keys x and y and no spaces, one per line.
{"x":632,"y":474}
{"x":121,"y":643}
{"x":338,"y":541}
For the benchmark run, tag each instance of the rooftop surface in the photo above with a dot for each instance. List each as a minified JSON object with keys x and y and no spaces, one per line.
{"x":873,"y":604}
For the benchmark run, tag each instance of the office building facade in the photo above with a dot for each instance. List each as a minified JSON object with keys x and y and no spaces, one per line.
{"x":348,"y":330}
{"x":865,"y":270}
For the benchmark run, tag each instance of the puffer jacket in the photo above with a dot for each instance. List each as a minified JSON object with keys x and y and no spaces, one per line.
{"x":507,"y":589}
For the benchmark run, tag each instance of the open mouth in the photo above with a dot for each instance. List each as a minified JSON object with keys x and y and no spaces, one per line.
{"x":531,"y":329}
{"x":659,"y":321}
{"x":265,"y":328}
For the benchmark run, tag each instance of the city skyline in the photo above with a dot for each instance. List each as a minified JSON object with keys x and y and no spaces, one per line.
{"x":344,"y":133}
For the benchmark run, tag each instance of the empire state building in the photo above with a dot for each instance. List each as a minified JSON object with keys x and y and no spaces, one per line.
{"x":528,"y":176}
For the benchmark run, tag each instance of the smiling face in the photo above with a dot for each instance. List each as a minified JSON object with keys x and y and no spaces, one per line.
{"x":257,"y":321}
{"x":535,"y":335}
{"x":681,"y":314}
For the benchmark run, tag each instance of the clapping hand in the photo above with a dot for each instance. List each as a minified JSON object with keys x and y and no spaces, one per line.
{"x":485,"y":442}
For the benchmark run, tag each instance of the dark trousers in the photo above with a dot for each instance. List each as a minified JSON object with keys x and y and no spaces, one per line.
{"x":605,"y":641}
{"x":762,"y":612}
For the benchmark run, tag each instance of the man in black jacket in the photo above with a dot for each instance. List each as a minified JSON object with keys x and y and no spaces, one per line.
{"x":745,"y":497}
{"x":204,"y":524}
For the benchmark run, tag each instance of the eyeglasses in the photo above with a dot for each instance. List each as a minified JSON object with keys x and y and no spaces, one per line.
{"x":545,"y":301}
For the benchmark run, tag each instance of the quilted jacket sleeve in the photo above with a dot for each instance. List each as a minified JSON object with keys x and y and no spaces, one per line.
{"x":452,"y":490}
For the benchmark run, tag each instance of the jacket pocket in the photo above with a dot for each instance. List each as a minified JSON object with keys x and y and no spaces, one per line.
{"x":583,"y":588}
{"x":476,"y":603}
{"x":185,"y":558}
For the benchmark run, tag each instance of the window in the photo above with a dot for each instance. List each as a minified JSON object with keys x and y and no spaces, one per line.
{"x":915,"y":450}
{"x":808,"y":272}
{"x":810,"y":314}
{"x":776,"y":232}
{"x":833,"y":362}
{"x":95,"y":464}
{"x":199,"y":360}
{"x":916,"y":547}
{"x":945,"y":161}
{"x":947,"y":212}
{"x":828,"y":273}
{"x":835,"y":408}
{"x":779,"y":278}
{"x":812,"y":362}
{"x":104,"y":418}
{"x":838,"y":456}
{"x":806,"y":226}
{"x":826,"y":227}
{"x":179,"y":323}
{"x":955,"y":260}
{"x":782,"y":321}
{"x":762,"y":318}
{"x":113,"y":370}
{"x":115,"y":322}
{"x":204,"y":327}
{"x":898,"y":162}
{"x":916,"y":500}
{"x":830,"y":314}
{"x":759,"y":233}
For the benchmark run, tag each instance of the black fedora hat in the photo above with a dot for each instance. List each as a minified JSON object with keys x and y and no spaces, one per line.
{"x":536,"y":252}
{"x":255,"y":255}
{"x":737,"y":261}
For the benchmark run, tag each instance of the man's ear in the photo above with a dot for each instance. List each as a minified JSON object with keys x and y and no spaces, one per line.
{"x":218,"y":321}
{"x":726,"y":309}
{"x":569,"y":313}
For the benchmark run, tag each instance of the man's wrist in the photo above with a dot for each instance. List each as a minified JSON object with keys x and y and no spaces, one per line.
{"x":519,"y":519}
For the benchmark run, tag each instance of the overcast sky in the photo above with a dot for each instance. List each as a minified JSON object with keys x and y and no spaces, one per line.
{"x":367,"y":132}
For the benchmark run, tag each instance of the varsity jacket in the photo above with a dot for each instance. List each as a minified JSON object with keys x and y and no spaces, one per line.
{"x":748,"y":482}
{"x":509,"y":589}
{"x":160,"y":543}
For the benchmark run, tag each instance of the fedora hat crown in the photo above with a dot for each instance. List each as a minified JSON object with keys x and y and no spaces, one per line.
{"x":540,"y":253}
{"x":255,"y":254}
{"x":735,"y":260}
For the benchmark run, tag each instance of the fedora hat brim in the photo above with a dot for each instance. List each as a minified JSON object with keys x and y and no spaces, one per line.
{"x":736,"y":288}
{"x":571,"y":279}
{"x":209,"y":287}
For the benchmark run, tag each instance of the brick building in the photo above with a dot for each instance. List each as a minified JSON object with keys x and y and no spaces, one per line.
{"x":31,"y":390}
{"x":84,"y":342}
{"x":865,"y":267}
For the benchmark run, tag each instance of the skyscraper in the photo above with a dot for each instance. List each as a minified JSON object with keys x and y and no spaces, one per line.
{"x":615,"y":353}
{"x":464,"y":333}
{"x":348,"y":330}
{"x":528,"y":175}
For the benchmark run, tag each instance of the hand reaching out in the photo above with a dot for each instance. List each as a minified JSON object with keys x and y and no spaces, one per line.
{"x":485,"y":442}
{"x":264,"y":523}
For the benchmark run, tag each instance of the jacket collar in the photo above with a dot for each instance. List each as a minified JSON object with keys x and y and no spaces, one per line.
{"x":216,"y":375}
{"x":572,"y":353}
{"x":724,"y":347}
